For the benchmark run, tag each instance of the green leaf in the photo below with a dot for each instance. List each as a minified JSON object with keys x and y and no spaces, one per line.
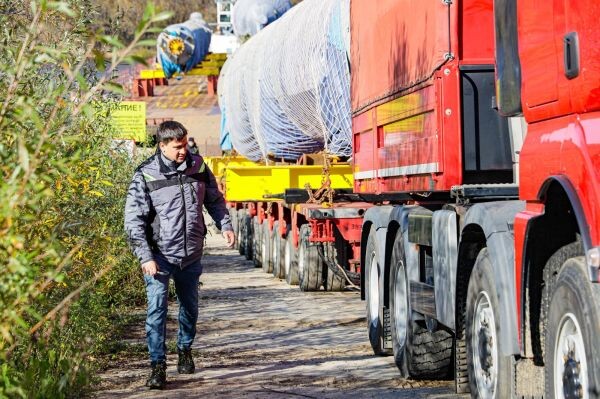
{"x":154,"y":29}
{"x":115,"y":88}
{"x":23,"y":155}
{"x":83,"y":84}
{"x":149,"y":12}
{"x":146,"y":43}
{"x":162,"y":16}
{"x":61,"y":7}
{"x":112,"y":40}
{"x":136,"y":59}
{"x":139,"y":29}
{"x":99,"y":60}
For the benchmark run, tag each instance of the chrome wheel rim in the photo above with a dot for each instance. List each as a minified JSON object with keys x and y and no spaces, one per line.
{"x":374,"y":289}
{"x":570,"y":363}
{"x":485,"y":348}
{"x":400,"y":306}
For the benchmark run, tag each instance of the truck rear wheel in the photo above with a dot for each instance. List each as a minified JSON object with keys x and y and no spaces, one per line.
{"x":572,"y":363}
{"x":290,"y":261}
{"x":278,"y":248}
{"x":418,"y":353}
{"x":256,"y":242}
{"x":374,"y":296}
{"x":490,"y":374}
{"x":310,"y":265}
{"x":265,"y":240}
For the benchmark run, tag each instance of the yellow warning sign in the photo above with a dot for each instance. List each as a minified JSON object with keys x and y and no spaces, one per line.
{"x":129,"y":120}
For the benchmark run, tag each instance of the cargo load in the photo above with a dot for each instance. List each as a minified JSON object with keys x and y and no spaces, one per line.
{"x":248,"y":17}
{"x":180,"y":47}
{"x":286,"y":91}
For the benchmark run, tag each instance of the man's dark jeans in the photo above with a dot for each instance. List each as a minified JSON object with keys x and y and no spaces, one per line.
{"x":157,"y":287}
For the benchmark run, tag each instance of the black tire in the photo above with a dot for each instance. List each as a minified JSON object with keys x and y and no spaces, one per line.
{"x":278,"y":248}
{"x":374,"y":297}
{"x":249,"y":237}
{"x":233,"y":215}
{"x":241,"y":235}
{"x":491,"y":375}
{"x":551,"y":270}
{"x":418,"y":353}
{"x":290,"y":261}
{"x":256,"y":242}
{"x":310,"y":265}
{"x":265,"y":239}
{"x":574,"y":313}
{"x":334,"y":279}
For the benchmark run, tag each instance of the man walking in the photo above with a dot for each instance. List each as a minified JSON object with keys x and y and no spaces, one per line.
{"x":165,"y":227}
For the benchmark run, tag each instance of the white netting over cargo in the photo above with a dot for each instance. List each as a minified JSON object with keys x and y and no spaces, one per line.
{"x":248,"y":17}
{"x":286,"y":92}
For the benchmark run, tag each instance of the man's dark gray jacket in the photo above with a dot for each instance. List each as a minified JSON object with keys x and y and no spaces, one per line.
{"x":163,"y":212}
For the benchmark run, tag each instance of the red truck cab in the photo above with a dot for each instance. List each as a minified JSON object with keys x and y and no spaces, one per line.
{"x":554,"y":48}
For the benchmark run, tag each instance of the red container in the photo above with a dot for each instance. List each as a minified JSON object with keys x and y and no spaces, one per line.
{"x":406,"y":57}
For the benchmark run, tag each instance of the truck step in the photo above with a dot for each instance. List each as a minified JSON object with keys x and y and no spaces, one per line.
{"x":487,"y":191}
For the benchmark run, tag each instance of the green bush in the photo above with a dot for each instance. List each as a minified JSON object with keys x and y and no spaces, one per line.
{"x":66,"y":268}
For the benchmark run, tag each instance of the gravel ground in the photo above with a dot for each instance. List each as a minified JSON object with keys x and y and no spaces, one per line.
{"x":260,"y":338}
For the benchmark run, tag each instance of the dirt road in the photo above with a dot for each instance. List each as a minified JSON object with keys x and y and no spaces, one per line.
{"x":260,"y":338}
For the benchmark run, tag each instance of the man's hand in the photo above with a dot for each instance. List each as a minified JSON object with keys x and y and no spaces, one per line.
{"x":230,"y":237}
{"x":150,"y":268}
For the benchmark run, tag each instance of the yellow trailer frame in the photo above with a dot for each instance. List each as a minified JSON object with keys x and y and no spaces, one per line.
{"x":218,"y":165}
{"x":210,"y":66}
{"x":258,"y":182}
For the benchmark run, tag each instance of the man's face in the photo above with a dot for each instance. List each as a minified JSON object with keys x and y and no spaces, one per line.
{"x":175,"y":150}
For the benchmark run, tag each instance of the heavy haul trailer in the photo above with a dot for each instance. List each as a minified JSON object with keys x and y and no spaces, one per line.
{"x":484,"y":262}
{"x":284,"y":228}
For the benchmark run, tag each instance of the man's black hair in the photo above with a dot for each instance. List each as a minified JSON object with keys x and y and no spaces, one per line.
{"x":170,"y":130}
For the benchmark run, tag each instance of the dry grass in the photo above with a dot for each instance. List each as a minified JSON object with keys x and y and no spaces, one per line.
{"x":119,"y":17}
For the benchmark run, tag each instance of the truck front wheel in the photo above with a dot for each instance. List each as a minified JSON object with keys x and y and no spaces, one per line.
{"x":490,"y":373}
{"x":572,"y":364}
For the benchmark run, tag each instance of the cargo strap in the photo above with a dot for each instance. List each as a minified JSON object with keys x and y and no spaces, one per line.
{"x":325,"y":193}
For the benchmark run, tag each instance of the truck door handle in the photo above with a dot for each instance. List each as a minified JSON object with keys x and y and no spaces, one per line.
{"x":571,"y":55}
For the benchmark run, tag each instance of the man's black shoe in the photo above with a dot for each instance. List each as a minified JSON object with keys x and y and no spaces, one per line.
{"x":158,"y":377}
{"x":185,"y":365}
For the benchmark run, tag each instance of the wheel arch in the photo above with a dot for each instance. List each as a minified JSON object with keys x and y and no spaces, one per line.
{"x":364,"y":236}
{"x":562,"y":222}
{"x":377,"y":216}
{"x":390,"y":236}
